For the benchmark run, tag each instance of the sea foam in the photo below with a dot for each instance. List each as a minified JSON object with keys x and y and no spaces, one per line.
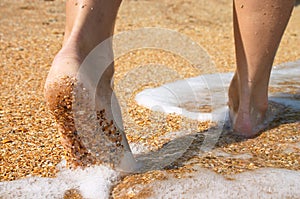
{"x":261,"y":183}
{"x":96,"y":182}
{"x":92,"y":183}
{"x":201,"y":91}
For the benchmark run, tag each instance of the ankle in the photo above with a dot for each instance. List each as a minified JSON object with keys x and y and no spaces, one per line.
{"x":258,"y":111}
{"x":85,"y":41}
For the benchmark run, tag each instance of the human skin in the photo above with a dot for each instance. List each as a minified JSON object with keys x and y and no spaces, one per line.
{"x":258,"y":28}
{"x":88,"y":23}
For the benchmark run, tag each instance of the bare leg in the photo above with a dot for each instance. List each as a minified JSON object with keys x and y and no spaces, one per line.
{"x":88,"y":23}
{"x":258,"y":28}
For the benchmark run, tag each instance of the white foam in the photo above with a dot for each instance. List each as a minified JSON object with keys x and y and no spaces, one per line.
{"x":261,"y":183}
{"x":93,"y":183}
{"x":202,"y":90}
{"x":212,"y":90}
{"x":96,"y":182}
{"x":196,"y":91}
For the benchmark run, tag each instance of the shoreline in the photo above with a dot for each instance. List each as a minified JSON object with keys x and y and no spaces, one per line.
{"x":31,"y":34}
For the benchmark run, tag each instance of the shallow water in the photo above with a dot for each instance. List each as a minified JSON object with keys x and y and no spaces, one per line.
{"x":187,"y":98}
{"x":261,"y":183}
{"x":93,"y":182}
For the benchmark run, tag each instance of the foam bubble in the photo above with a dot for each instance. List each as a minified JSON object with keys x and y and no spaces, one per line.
{"x":173,"y":97}
{"x":193,"y":92}
{"x":92,"y":183}
{"x":96,"y":182}
{"x":261,"y":183}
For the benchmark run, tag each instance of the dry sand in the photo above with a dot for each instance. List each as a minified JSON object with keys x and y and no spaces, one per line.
{"x":31,"y":34}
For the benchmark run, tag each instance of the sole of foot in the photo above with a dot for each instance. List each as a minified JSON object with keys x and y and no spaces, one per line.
{"x":88,"y":136}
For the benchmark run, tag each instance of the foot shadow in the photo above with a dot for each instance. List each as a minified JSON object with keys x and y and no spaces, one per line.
{"x":179,"y":151}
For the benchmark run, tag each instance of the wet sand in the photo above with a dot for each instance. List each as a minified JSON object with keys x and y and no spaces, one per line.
{"x":31,"y":34}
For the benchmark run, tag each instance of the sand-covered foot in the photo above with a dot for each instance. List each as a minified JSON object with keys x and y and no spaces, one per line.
{"x":88,"y":132}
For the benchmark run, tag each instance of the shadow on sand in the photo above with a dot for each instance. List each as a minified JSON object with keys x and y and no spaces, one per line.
{"x":191,"y":143}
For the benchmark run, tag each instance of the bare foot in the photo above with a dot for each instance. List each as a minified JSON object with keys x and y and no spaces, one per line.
{"x":258,"y":28}
{"x":248,"y":108}
{"x":89,"y":133}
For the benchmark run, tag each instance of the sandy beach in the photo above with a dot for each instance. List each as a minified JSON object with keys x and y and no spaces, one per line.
{"x":31,"y":33}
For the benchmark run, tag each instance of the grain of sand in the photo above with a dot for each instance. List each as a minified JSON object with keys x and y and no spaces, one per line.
{"x":31,"y":34}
